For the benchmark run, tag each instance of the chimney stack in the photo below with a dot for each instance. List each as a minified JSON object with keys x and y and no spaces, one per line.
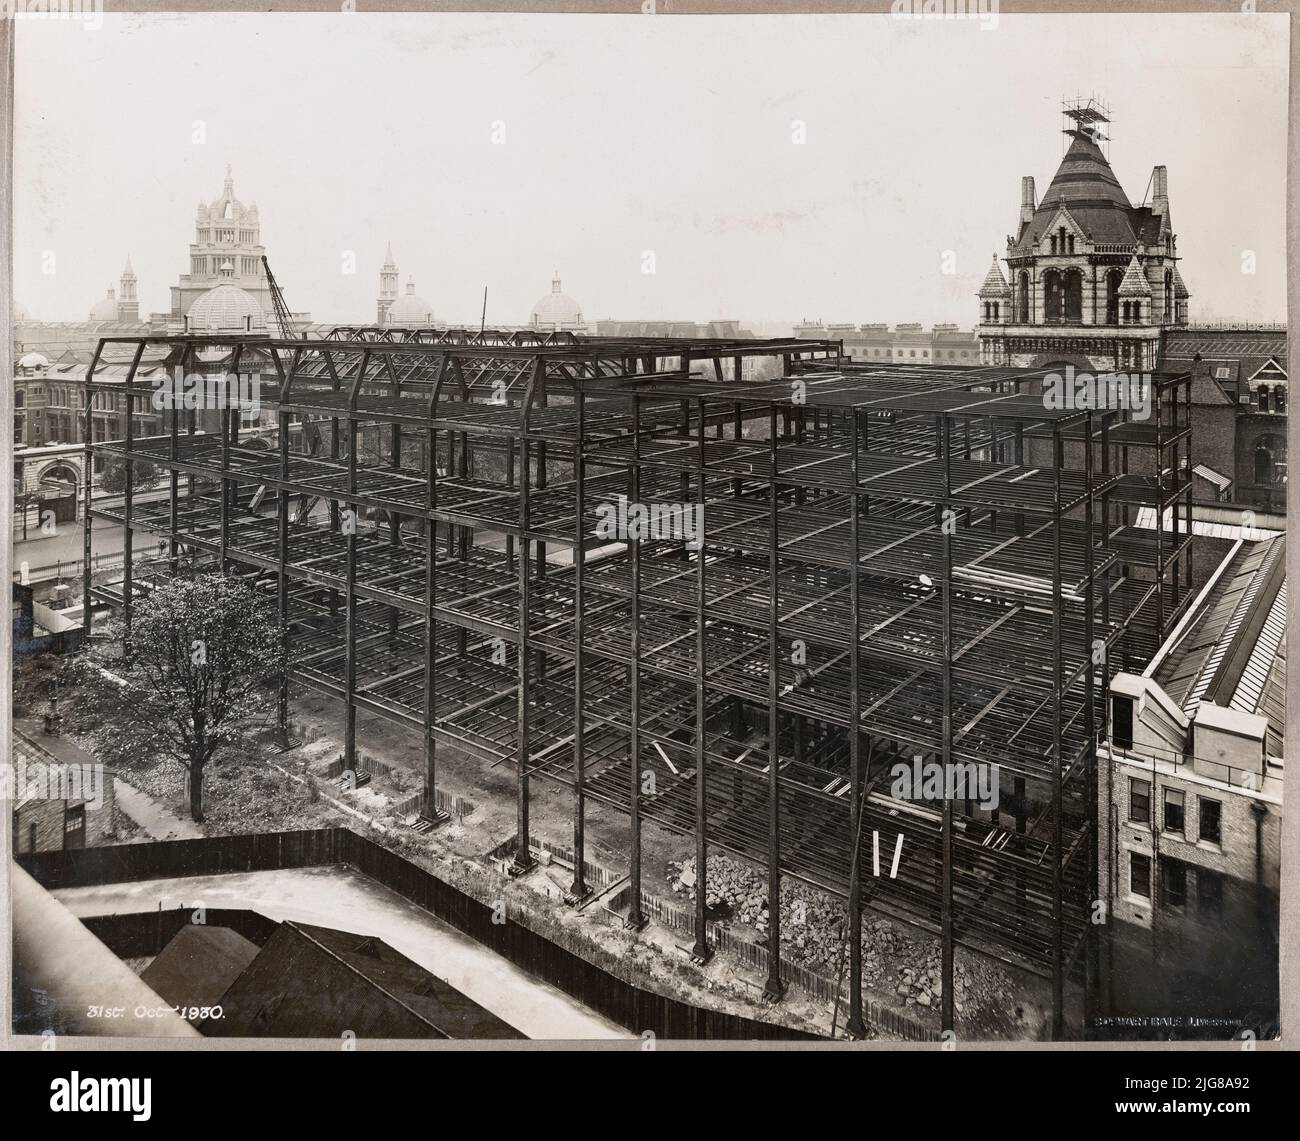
{"x":1160,"y":190}
{"x":1027,"y":200}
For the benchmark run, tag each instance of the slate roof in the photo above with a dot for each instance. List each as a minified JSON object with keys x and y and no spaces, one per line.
{"x":1135,"y":283}
{"x":995,"y":285}
{"x":1234,"y":653}
{"x":1095,"y":200}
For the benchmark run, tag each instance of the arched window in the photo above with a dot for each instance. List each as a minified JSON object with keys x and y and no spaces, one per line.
{"x":1169,"y":295}
{"x":1053,"y":299}
{"x":1074,"y":295}
{"x":1022,"y":299}
{"x":1113,"y":279}
{"x":1069,"y":241}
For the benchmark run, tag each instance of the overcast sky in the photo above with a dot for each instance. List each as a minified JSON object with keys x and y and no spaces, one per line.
{"x":627,"y":134}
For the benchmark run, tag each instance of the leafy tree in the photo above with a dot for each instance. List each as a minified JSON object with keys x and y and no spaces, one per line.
{"x":201,"y":651}
{"x":112,"y":479}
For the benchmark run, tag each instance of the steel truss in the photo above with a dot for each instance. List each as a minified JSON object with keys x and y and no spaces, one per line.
{"x":883,"y":571}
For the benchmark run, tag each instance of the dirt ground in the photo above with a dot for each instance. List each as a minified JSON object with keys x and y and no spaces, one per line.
{"x":492,"y":791}
{"x":260,"y":788}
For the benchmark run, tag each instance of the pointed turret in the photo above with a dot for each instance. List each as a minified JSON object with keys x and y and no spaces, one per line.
{"x":1135,"y":283}
{"x":995,"y":286}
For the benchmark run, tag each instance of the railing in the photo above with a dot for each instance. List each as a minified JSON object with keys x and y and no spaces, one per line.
{"x":1250,"y":779}
{"x":1235,"y":327}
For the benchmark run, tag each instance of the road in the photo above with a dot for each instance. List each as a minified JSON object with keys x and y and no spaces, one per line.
{"x":48,"y":551}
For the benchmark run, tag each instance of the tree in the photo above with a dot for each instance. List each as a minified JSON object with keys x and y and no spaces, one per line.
{"x":112,"y":479}
{"x":201,"y":649}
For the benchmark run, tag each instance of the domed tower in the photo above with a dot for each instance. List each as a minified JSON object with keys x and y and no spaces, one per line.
{"x":128,"y":305}
{"x":410,"y":310}
{"x":557,"y":310}
{"x":105,"y":309}
{"x":227,"y":249}
{"x":1093,"y":279}
{"x":387,"y":286}
{"x":226,"y":308}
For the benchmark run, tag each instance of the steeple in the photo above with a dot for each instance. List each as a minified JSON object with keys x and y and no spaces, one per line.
{"x":387,"y":285}
{"x":128,"y":307}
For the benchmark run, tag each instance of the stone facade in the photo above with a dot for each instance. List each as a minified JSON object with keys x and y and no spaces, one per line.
{"x":1091,"y":279}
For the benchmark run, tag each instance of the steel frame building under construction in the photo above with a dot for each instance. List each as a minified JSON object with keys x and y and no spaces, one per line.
{"x":883,"y":547}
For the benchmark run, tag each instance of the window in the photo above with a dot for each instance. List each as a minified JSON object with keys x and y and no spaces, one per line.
{"x":1173,"y":882}
{"x":1121,"y":720}
{"x":1139,"y":801}
{"x":1209,"y":894}
{"x":1279,"y":400}
{"x":1262,"y":397}
{"x":1174,"y":810}
{"x":1211,"y":820}
{"x":1139,"y":874}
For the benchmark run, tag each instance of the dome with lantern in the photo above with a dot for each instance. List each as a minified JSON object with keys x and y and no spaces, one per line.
{"x":557,"y":310}
{"x":105,"y":309}
{"x":226,"y":308}
{"x":410,"y":308}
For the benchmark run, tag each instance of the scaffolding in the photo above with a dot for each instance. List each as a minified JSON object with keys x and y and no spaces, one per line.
{"x":727,"y":606}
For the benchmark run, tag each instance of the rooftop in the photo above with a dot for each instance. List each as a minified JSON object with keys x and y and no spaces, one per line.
{"x":1232,"y":651}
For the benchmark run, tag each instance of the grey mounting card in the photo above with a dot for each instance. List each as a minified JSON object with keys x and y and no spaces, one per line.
{"x":669,"y":524}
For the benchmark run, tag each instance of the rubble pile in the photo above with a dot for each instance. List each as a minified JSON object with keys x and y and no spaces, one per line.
{"x":812,"y":922}
{"x":812,"y":925}
{"x":977,"y":985}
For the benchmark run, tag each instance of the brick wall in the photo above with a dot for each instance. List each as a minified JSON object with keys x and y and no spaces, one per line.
{"x":1233,"y":858}
{"x":47,"y":818}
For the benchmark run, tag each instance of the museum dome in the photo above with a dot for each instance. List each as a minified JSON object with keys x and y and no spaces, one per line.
{"x":105,"y":309}
{"x":410,"y":308}
{"x":226,"y":309}
{"x":557,"y":310}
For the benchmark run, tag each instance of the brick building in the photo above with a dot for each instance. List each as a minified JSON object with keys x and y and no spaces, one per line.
{"x":906,"y":343}
{"x":1190,"y":788}
{"x":1239,"y":399}
{"x":44,"y":822}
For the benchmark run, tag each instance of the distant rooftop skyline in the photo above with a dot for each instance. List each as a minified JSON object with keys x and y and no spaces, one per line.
{"x":498,"y":150}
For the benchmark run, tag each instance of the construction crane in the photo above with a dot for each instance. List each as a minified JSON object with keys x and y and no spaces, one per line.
{"x":310,"y":427}
{"x":282,"y":317}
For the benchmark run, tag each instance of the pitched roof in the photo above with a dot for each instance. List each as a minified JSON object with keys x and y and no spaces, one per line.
{"x":1234,"y":653}
{"x":199,"y":964}
{"x":1135,"y":282}
{"x":317,"y":982}
{"x":995,"y":285}
{"x":1087,"y":186}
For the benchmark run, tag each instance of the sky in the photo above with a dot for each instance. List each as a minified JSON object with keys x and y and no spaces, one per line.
{"x":774,"y":168}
